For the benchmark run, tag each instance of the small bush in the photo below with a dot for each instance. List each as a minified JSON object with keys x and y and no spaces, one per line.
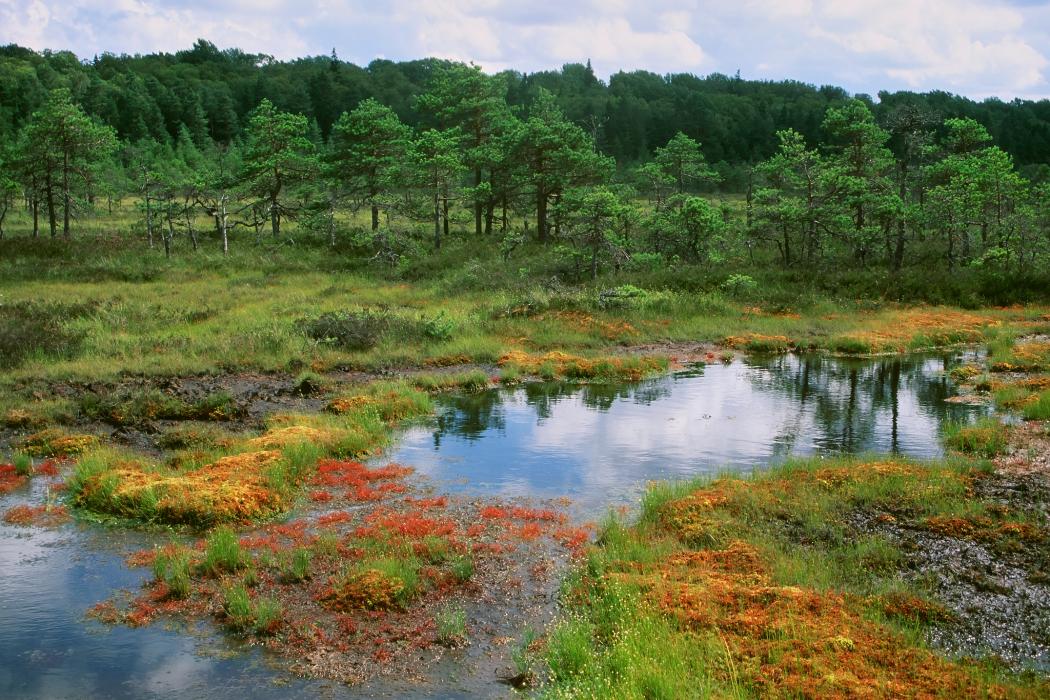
{"x":439,"y":327}
{"x":350,"y":330}
{"x":30,"y":329}
{"x":740,"y":285}
{"x":310,"y":384}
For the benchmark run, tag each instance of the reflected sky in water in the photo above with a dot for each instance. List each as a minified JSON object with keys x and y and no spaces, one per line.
{"x":597,"y":444}
{"x":600,"y":444}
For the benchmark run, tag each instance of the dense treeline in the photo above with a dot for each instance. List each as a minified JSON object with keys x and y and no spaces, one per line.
{"x":609,"y":177}
{"x":210,"y":92}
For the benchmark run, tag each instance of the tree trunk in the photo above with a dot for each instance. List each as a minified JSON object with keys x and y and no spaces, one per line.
{"x":594,"y":263}
{"x":275,"y":217}
{"x":65,"y":195}
{"x":541,"y":216}
{"x":170,"y":235}
{"x":49,"y":188}
{"x":898,"y":249}
{"x":223,"y":227}
{"x":36,"y":216}
{"x":444,"y":215}
{"x":477,"y":203}
{"x":490,"y":210}
{"x":149,"y":219}
{"x":189,"y":226}
{"x":375,"y":218}
{"x":437,"y":221}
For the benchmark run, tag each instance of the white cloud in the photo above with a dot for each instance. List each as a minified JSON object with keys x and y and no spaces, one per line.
{"x":977,"y":47}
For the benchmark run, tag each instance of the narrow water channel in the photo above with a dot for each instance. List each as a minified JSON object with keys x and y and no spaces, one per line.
{"x":598,"y":445}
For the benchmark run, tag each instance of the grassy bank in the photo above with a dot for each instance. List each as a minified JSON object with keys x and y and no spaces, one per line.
{"x":787,"y":584}
{"x":94,"y":311}
{"x":245,"y":479}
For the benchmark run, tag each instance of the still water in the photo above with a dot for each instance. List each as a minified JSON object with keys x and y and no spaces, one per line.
{"x":599,"y":445}
{"x":596,"y":444}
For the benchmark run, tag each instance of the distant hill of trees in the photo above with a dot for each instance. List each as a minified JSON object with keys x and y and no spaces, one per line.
{"x":210,"y":92}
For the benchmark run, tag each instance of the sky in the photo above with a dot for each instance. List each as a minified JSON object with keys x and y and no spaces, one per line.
{"x":978,"y":48}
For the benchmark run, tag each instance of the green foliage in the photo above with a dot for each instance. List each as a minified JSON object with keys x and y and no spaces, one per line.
{"x":743,"y":286}
{"x":23,"y":464}
{"x":1038,"y":409}
{"x":173,"y":570}
{"x":36,"y":330}
{"x":352,"y":330}
{"x":223,"y":553}
{"x":440,"y":327}
{"x":985,"y":438}
{"x":451,"y":624}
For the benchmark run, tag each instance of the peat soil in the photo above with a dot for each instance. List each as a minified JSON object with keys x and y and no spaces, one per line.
{"x":996,"y":591}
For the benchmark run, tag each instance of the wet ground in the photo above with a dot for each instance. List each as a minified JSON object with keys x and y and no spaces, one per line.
{"x":596,"y":445}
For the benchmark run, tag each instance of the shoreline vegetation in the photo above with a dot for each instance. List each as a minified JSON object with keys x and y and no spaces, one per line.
{"x":799,"y":581}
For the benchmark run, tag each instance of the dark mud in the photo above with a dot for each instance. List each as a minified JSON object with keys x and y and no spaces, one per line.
{"x":996,"y":591}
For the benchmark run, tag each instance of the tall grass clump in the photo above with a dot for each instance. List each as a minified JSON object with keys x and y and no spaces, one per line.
{"x":985,"y":438}
{"x":173,"y":570}
{"x":1038,"y":409}
{"x":223,"y":553}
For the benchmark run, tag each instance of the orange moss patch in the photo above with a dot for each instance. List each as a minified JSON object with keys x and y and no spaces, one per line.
{"x":787,"y":641}
{"x":581,"y":322}
{"x":20,"y":418}
{"x":290,"y":435}
{"x":560,"y":364}
{"x":45,"y":515}
{"x":364,"y":590}
{"x":1031,"y":356}
{"x":350,"y":403}
{"x":52,"y":442}
{"x":983,"y":528}
{"x":10,"y":479}
{"x":233,"y":488}
{"x":913,"y":609}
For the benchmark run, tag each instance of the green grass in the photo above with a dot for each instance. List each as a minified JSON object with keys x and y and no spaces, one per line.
{"x":223,"y":553}
{"x":135,"y":313}
{"x":1039,"y":409}
{"x":986,"y":438}
{"x":296,"y":567}
{"x":613,"y":640}
{"x":451,"y":626}
{"x":173,"y":569}
{"x":261,"y":615}
{"x":23,"y":464}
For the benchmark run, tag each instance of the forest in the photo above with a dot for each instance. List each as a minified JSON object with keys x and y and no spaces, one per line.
{"x":645,"y":172}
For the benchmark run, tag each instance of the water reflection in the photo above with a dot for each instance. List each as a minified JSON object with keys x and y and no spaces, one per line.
{"x":600,"y":444}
